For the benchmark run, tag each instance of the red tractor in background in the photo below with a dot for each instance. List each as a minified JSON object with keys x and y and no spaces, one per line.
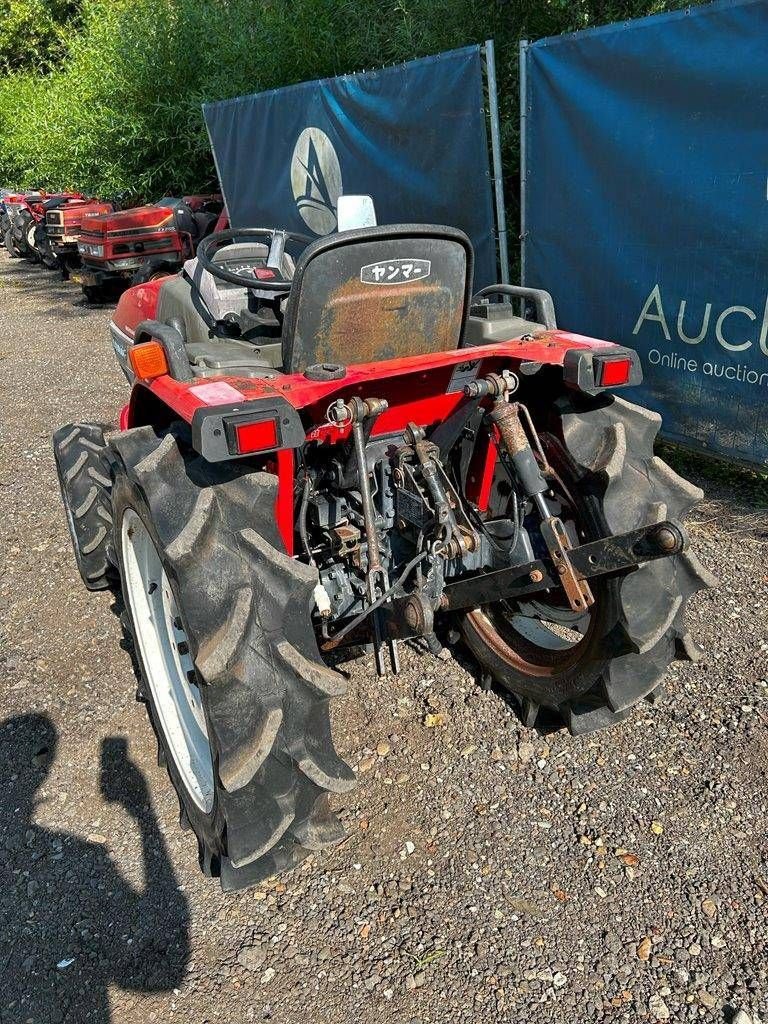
{"x":348,"y":449}
{"x":142,"y":244}
{"x":13,"y":204}
{"x":26,"y":235}
{"x":63,"y":225}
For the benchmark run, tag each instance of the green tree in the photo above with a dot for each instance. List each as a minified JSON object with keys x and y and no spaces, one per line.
{"x":120,"y":108}
{"x":33,"y":33}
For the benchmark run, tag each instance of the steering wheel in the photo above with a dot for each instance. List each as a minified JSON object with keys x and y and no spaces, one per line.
{"x":277,"y":241}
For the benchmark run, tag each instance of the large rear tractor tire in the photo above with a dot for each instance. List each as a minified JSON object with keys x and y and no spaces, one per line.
{"x":84,"y":477}
{"x":149,"y":273}
{"x":220,"y":619}
{"x":43,"y":247}
{"x":10,"y":245}
{"x":94,"y":294}
{"x":23,"y":230}
{"x":593,"y":669}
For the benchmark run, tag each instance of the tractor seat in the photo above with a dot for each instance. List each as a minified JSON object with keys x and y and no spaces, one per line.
{"x":366,"y":295}
{"x":228,"y":330}
{"x":378,"y":293}
{"x":205,"y":222}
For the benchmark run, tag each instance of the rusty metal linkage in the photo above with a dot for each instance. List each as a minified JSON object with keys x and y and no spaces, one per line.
{"x":611,"y":556}
{"x":362,"y":413}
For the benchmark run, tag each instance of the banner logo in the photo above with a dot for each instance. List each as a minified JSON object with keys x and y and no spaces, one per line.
{"x":316,"y":180}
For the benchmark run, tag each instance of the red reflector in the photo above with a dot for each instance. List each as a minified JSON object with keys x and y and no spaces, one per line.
{"x":614,"y":371}
{"x":256,"y":437}
{"x":264,"y":273}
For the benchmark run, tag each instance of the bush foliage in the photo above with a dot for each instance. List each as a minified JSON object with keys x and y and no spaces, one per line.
{"x":33,"y":33}
{"x":105,"y":95}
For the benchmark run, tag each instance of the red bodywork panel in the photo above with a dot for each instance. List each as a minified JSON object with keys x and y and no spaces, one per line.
{"x":142,"y":231}
{"x":418,"y":389}
{"x":403,"y":382}
{"x":137,"y":304}
{"x":64,"y":223}
{"x":148,"y":216}
{"x":128,"y":220}
{"x":75,"y":211}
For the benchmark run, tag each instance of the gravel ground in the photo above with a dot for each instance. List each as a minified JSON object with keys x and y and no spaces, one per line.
{"x":489,"y":870}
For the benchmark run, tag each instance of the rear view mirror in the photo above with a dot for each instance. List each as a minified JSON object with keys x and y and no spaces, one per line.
{"x":355,"y":212}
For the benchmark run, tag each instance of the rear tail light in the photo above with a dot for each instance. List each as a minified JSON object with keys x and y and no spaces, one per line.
{"x":148,"y":360}
{"x":612,"y":372}
{"x":259,"y":436}
{"x":612,"y":366}
{"x":241,"y":429}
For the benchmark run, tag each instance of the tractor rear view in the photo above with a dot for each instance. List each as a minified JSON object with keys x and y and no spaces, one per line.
{"x":353,"y":449}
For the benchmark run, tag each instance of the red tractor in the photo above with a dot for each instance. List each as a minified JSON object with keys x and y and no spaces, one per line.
{"x":145,"y":243}
{"x":63,"y":224}
{"x":26,"y":235}
{"x":354,"y":449}
{"x":15,"y":203}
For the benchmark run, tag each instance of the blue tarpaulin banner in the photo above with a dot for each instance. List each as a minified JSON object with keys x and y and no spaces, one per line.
{"x":646,"y":208}
{"x":411,"y":136}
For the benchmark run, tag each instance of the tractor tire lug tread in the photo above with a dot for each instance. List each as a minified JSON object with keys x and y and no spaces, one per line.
{"x":610,"y":442}
{"x":247,"y":610}
{"x":82,"y":464}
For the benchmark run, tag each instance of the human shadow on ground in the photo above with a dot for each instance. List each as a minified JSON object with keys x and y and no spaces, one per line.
{"x":71,"y":923}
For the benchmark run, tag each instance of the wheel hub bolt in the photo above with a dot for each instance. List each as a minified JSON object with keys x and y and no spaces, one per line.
{"x":666,"y":539}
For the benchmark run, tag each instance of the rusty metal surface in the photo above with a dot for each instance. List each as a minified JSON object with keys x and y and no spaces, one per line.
{"x":577,"y":590}
{"x":616,"y":555}
{"x":505,"y":416}
{"x":365,"y":324}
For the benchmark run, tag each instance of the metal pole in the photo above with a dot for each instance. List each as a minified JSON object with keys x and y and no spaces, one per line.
{"x":498,"y":181}
{"x":523,"y":150}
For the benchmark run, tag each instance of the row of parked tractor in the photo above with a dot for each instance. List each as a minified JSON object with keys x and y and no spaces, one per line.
{"x":100,"y":246}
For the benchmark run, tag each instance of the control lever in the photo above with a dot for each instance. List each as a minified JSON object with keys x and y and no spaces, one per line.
{"x":362,"y":414}
{"x":277,"y":251}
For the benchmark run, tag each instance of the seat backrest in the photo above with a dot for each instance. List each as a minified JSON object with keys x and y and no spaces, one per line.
{"x":378,"y":293}
{"x":206,"y":222}
{"x":184,"y":221}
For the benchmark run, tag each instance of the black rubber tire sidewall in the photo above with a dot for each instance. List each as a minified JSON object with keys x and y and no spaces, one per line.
{"x":209,"y":827}
{"x":81,"y":566}
{"x":10,"y":245}
{"x":22,"y":227}
{"x":149,"y":273}
{"x":95,"y":568}
{"x":94,"y":294}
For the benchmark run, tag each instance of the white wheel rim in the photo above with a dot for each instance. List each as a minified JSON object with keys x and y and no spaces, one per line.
{"x":157,"y":625}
